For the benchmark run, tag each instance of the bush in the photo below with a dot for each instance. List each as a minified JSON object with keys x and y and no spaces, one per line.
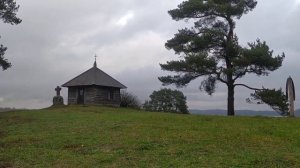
{"x":167,"y":100}
{"x":129,"y":100}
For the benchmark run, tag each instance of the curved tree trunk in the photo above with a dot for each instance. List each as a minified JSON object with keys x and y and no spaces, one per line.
{"x":230,"y":101}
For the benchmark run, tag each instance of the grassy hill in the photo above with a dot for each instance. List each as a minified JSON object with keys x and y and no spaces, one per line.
{"x":108,"y":137}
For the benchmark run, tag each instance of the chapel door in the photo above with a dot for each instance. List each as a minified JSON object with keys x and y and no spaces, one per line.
{"x":80,"y":98}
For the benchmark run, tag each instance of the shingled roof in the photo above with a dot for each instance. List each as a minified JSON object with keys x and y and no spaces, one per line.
{"x":94,"y":76}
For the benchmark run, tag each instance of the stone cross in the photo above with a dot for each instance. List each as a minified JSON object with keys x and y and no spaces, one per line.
{"x":291,"y":95}
{"x":57,"y":89}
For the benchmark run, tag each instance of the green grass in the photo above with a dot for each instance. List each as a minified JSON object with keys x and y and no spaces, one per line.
{"x":107,"y":137}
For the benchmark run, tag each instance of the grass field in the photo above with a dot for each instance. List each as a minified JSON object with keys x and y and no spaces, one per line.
{"x":107,"y":137}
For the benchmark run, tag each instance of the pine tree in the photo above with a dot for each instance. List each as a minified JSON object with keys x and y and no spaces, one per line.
{"x":8,"y":9}
{"x":210,"y":48}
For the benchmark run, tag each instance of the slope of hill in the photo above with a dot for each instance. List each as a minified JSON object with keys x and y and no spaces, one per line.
{"x":108,"y":137}
{"x":239,"y":113}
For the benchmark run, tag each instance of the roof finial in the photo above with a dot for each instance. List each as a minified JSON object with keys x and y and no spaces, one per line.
{"x":95,"y":63}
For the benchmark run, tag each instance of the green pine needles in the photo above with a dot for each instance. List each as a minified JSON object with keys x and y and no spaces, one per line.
{"x":8,"y":9}
{"x":210,"y":48}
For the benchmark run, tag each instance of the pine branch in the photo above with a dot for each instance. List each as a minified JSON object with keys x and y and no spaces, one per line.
{"x":246,"y":86}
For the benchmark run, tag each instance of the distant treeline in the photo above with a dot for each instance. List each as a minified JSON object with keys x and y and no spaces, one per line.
{"x":4,"y":109}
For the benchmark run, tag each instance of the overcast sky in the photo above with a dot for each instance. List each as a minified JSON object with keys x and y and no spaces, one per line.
{"x":58,"y":39}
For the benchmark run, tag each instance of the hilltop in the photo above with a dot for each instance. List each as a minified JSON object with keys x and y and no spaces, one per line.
{"x":82,"y":136}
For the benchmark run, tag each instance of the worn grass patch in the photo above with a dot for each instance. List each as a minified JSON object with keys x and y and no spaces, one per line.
{"x":79,"y":136}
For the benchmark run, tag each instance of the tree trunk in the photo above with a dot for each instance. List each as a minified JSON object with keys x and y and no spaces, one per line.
{"x":230,"y":101}
{"x":230,"y":84}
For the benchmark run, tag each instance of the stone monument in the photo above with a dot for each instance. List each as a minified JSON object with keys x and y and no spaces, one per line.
{"x":291,"y":95}
{"x":58,"y":100}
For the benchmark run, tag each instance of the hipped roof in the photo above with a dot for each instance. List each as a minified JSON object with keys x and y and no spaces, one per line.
{"x":94,"y":76}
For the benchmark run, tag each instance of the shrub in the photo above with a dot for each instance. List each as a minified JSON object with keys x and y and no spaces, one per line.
{"x":129,"y":100}
{"x":167,"y":100}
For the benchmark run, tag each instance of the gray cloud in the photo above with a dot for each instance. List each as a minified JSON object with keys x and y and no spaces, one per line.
{"x":57,"y":40}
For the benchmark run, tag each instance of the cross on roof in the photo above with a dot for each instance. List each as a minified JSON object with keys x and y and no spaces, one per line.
{"x":95,"y":63}
{"x":96,"y":57}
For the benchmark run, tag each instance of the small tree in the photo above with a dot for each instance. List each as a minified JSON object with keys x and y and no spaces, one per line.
{"x":167,"y":100}
{"x":210,"y":48}
{"x":8,"y":9}
{"x":129,"y":100}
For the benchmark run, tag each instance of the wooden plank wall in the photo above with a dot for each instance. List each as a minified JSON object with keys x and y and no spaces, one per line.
{"x":96,"y":95}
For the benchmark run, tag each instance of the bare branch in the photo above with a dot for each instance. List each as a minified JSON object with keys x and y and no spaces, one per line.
{"x":241,"y":74}
{"x":251,"y":88}
{"x":221,"y":80}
